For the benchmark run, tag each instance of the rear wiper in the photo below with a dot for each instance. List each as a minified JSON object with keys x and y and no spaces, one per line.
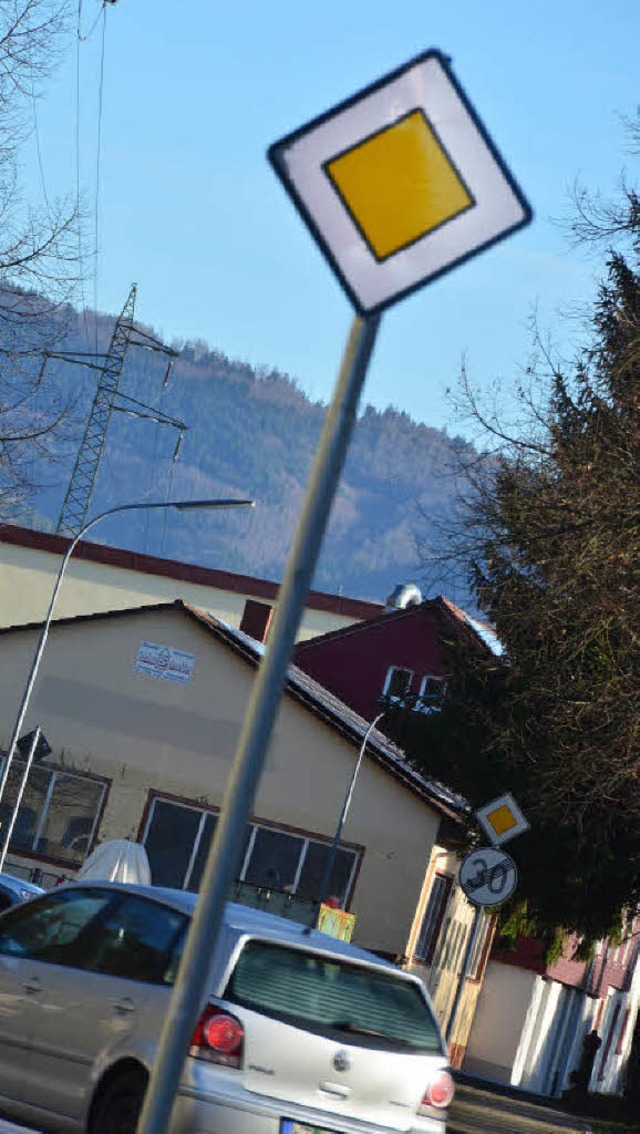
{"x":356,"y":1030}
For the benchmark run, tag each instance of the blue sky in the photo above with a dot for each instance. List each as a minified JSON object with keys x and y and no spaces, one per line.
{"x":189,"y":208}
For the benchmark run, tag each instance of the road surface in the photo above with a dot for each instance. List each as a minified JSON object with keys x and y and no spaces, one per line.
{"x":478,"y":1111}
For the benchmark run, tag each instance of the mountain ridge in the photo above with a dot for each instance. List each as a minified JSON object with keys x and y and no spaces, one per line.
{"x":253,"y":433}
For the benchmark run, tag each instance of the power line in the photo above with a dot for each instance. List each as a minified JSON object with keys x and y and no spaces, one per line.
{"x":85,"y":38}
{"x":38,"y":145}
{"x":80,"y":39}
{"x":98,"y":164}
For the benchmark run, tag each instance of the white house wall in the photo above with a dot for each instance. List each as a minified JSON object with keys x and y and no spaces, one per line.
{"x":502,"y":1009}
{"x":552,"y":1041}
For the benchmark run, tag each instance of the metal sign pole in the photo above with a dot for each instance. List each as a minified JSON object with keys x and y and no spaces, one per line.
{"x":16,"y":807}
{"x":191,"y":984}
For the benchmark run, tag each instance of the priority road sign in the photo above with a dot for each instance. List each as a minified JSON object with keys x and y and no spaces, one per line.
{"x":488,"y":876}
{"x":502,"y":819}
{"x":400,"y":183}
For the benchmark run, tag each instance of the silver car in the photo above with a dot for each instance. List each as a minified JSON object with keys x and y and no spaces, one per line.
{"x":14,"y":890}
{"x":300,"y":1033}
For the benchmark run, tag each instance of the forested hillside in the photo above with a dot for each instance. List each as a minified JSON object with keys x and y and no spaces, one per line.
{"x":251,"y":433}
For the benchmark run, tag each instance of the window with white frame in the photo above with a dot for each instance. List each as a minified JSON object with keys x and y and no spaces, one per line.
{"x":431,"y":694}
{"x":177,"y":836}
{"x":58,"y":814}
{"x":397,"y":683}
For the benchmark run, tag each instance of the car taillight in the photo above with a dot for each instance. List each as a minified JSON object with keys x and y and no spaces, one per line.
{"x":439,"y":1092}
{"x":218,"y":1037}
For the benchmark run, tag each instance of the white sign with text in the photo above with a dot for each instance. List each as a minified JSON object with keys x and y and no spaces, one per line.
{"x":164,"y":662}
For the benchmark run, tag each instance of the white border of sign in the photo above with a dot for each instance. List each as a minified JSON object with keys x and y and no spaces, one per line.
{"x":425,"y":84}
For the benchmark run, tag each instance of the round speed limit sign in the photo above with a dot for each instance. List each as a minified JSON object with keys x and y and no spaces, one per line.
{"x":488,"y":876}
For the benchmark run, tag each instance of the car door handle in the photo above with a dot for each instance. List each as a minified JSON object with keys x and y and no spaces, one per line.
{"x":32,"y":985}
{"x":124,"y":1006}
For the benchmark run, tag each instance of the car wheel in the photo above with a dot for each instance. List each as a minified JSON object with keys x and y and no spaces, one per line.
{"x":116,"y":1107}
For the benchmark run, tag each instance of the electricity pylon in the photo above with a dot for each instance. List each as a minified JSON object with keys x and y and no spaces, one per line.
{"x":75,"y":506}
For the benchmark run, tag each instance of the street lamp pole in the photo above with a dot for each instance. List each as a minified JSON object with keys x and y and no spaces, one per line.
{"x":346,"y":804}
{"x":181,"y":506}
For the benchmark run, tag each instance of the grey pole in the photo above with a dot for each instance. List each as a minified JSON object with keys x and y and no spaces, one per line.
{"x":16,"y":806}
{"x":191,"y":983}
{"x":346,"y":804}
{"x":462,"y":980}
{"x":182,"y":506}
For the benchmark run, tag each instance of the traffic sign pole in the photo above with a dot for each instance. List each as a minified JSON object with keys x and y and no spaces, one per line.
{"x":191,"y":986}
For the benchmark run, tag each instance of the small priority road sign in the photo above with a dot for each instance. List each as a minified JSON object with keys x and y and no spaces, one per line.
{"x":501,"y":819}
{"x":400,"y":183}
{"x":488,"y":876}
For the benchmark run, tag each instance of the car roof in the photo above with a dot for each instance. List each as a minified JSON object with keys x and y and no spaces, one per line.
{"x":244,"y":919}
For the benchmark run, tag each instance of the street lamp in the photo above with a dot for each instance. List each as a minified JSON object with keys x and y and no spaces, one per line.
{"x":181,"y":506}
{"x":346,"y":804}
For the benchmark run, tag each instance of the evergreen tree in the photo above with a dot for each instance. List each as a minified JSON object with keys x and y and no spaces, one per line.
{"x":552,"y":539}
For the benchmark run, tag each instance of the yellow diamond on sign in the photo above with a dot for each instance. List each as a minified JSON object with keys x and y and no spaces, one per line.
{"x":502,"y":820}
{"x":399,"y":184}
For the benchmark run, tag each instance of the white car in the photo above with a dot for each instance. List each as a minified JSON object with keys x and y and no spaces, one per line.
{"x":300,"y":1033}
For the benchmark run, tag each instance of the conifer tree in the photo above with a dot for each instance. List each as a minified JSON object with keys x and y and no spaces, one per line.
{"x":552,"y":545}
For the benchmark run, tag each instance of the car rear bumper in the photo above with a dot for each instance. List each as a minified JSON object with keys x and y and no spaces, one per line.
{"x":197,"y":1112}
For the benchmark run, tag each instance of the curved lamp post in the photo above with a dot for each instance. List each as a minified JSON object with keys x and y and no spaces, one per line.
{"x":346,"y":804}
{"x":181,"y":506}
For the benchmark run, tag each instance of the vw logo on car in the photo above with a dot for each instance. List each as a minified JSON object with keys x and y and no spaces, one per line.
{"x":342,"y":1060}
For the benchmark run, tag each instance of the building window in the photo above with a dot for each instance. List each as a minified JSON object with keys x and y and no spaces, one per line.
{"x":431,"y":695}
{"x":397,"y":684}
{"x":273,"y":860}
{"x":177,"y":840}
{"x":432,"y":919}
{"x":177,"y":837}
{"x":58,"y":815}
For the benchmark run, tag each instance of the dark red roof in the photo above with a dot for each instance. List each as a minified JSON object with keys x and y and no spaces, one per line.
{"x":187,"y":572}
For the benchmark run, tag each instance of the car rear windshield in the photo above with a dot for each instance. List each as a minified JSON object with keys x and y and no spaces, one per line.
{"x":354,"y":1003}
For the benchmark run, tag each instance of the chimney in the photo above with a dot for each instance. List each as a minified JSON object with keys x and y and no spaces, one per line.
{"x":256,"y":619}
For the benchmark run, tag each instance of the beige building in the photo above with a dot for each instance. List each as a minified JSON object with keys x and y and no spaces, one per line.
{"x":142,"y":709}
{"x":102,"y":578}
